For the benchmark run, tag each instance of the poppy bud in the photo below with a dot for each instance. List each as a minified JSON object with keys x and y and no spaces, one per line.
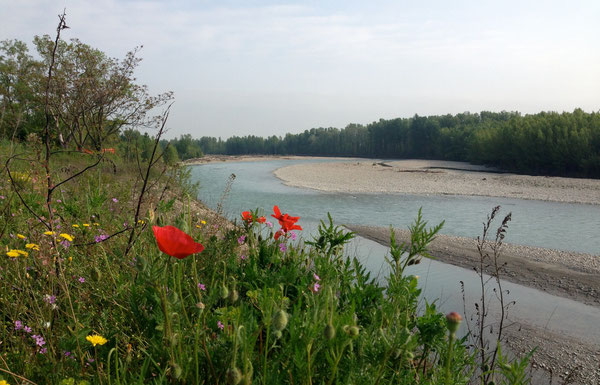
{"x":223,"y":292}
{"x":234,"y":295}
{"x":234,"y":376}
{"x":329,"y":331}
{"x":277,"y":334}
{"x":247,"y":379}
{"x":453,"y":319}
{"x":410,"y":355}
{"x":353,"y":331}
{"x":280,"y":320}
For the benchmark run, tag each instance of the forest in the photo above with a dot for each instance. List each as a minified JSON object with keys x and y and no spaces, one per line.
{"x":547,"y":143}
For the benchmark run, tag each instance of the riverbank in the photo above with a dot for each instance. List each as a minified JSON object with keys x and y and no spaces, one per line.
{"x":436,"y":177}
{"x":566,"y":274}
{"x":249,"y":158}
{"x":563,"y":273}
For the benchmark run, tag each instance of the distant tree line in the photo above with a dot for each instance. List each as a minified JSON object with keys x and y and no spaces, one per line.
{"x":546,"y":143}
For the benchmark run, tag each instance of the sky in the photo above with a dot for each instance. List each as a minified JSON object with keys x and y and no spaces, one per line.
{"x":271,"y":67}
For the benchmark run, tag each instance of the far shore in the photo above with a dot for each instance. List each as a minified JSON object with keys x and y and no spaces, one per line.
{"x":432,"y":177}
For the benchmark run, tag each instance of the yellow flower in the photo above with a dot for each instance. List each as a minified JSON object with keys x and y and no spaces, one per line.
{"x":21,"y":236}
{"x":70,"y":259}
{"x":23,"y":253}
{"x":96,"y":339}
{"x":67,"y":237}
{"x":32,"y":246}
{"x":141,"y":222}
{"x":86,"y":225}
{"x":96,"y":224}
{"x":203,"y":222}
{"x":49,"y":233}
{"x":3,"y":382}
{"x":76,"y":226}
{"x":13,"y":253}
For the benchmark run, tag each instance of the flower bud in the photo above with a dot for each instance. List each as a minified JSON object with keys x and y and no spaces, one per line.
{"x":234,"y":376}
{"x":329,"y":331}
{"x":277,"y":334}
{"x":224,"y":292}
{"x":453,"y":319}
{"x":280,"y":320}
{"x":353,"y":331}
{"x":234,"y":295}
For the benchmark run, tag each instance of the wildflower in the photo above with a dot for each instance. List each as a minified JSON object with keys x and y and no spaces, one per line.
{"x":13,"y":253}
{"x":200,"y":305}
{"x":243,"y":257}
{"x":316,"y":277}
{"x":269,"y":224}
{"x":58,"y":201}
{"x":96,"y":339}
{"x":39,"y":340}
{"x":86,"y":225}
{"x":287,"y":222}
{"x":241,"y":239}
{"x":247,"y":216}
{"x":220,"y":325}
{"x":67,"y":237}
{"x":293,"y":236}
{"x":202,"y":286}
{"x":175,"y":242}
{"x":81,"y":279}
{"x":141,"y":221}
{"x":49,"y":233}
{"x":282,"y":247}
{"x":65,"y":244}
{"x":27,"y":329}
{"x":2,"y":197}
{"x":32,"y":246}
{"x":115,"y":200}
{"x":70,"y":259}
{"x":43,"y":351}
{"x":96,"y":224}
{"x":21,"y":236}
{"x":100,"y":238}
{"x":18,"y":325}
{"x":3,"y":382}
{"x":50,"y":299}
{"x":75,"y":226}
{"x":203,"y":222}
{"x":315,"y":288}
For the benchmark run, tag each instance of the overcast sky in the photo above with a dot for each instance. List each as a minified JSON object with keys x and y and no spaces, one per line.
{"x":266,"y":67}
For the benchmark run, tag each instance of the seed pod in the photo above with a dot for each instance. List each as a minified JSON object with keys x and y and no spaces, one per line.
{"x":277,"y":334}
{"x":234,"y":295}
{"x":224,"y":292}
{"x":234,"y":376}
{"x":177,"y":371}
{"x":280,"y":320}
{"x":329,"y":331}
{"x":247,"y":379}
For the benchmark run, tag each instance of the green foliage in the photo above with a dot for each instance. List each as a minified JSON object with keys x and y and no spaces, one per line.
{"x":331,"y":239}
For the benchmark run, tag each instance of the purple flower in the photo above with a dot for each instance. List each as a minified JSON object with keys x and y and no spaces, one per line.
{"x":115,"y":200}
{"x":58,"y":201}
{"x":316,"y":277}
{"x":50,"y":299}
{"x":66,"y":244}
{"x":27,"y":329}
{"x":293,"y":236}
{"x":243,"y":257}
{"x":2,"y":197}
{"x":282,"y":247}
{"x":39,"y":340}
{"x":100,"y":238}
{"x":18,"y":325}
{"x":241,"y":239}
{"x":43,"y":350}
{"x":67,"y":354}
{"x":316,"y":287}
{"x":202,"y":286}
{"x":269,"y":224}
{"x":81,"y":279}
{"x":220,"y":325}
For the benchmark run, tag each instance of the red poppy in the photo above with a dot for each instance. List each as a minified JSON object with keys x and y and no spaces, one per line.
{"x":287,"y":222}
{"x":247,"y":216}
{"x":261,"y":220}
{"x":175,"y":242}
